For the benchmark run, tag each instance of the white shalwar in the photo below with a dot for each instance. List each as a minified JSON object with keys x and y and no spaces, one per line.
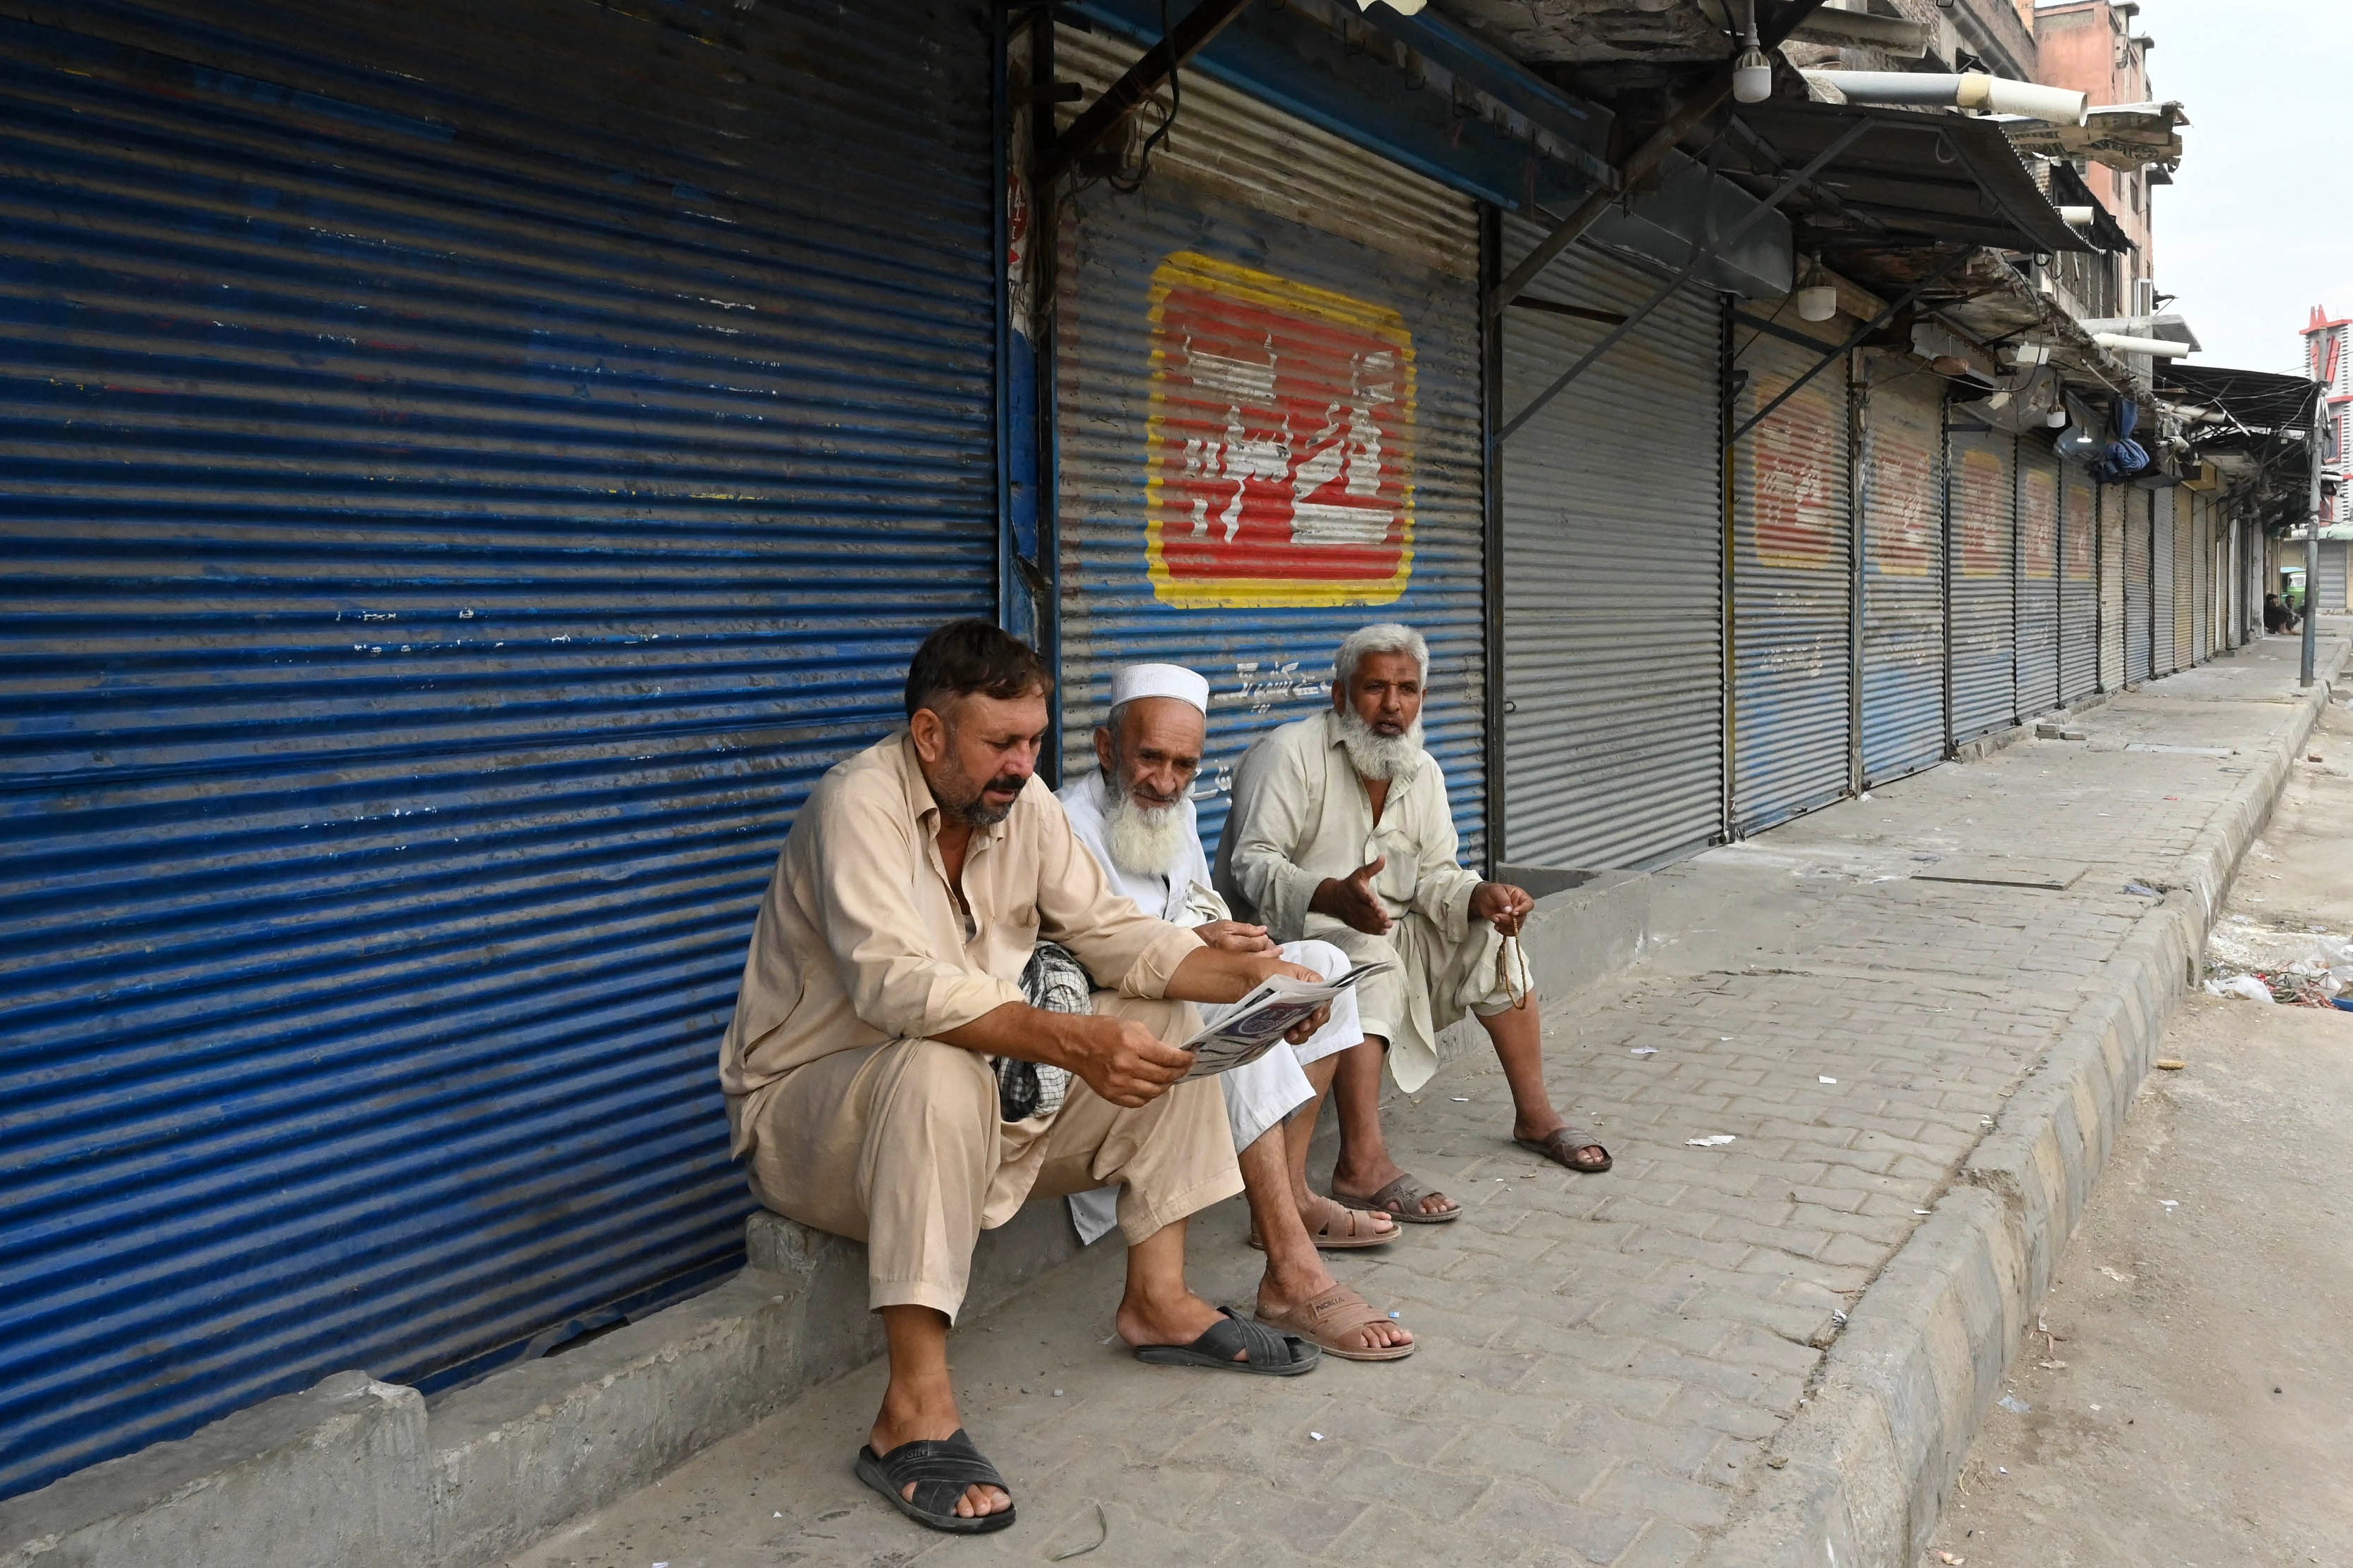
{"x":1268,"y":1089}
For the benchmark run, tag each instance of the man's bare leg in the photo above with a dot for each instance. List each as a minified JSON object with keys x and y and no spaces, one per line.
{"x":1518,"y":1036}
{"x":1295,"y":1273}
{"x":1365,"y":1167}
{"x":919,"y":1402}
{"x":1159,"y":1307}
{"x":1299,"y":1134}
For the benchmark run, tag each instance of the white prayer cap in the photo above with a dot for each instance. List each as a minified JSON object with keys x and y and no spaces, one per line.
{"x":1133,"y":680}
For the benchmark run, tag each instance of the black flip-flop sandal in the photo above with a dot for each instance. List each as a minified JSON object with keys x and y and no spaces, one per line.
{"x":1271,"y":1354}
{"x":942,"y":1468}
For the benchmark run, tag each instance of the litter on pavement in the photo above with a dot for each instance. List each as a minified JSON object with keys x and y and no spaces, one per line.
{"x":1711,"y":1141}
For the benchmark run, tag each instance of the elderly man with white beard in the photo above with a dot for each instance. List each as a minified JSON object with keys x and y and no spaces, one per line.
{"x":1136,"y":815}
{"x":1341,"y":830}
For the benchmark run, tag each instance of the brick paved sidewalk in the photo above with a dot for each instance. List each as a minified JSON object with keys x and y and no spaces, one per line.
{"x":1603,"y":1356}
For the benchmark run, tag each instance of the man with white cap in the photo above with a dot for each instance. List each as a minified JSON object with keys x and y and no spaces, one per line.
{"x":1136,"y":815}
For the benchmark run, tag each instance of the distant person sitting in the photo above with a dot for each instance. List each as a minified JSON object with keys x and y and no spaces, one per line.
{"x":2277,"y":616}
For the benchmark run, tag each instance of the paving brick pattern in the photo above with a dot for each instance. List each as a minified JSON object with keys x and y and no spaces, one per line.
{"x":1603,"y":1356}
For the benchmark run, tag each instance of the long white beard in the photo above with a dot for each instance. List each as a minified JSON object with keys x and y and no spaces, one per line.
{"x":1144,"y":841}
{"x":1376,"y":756}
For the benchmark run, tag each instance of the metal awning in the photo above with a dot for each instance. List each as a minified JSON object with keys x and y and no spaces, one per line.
{"x":1913,"y":179}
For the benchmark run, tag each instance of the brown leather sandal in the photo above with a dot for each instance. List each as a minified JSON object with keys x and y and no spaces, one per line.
{"x":1563,"y":1145}
{"x":1355,"y":1233}
{"x":1401,"y":1201}
{"x":1326,"y":1318}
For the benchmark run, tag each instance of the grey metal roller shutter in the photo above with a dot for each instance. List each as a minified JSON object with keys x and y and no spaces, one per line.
{"x":2329,"y":591}
{"x":1901,"y":471}
{"x":1613,"y":614}
{"x":1793,"y":533}
{"x":469,"y":469}
{"x":1982,"y":482}
{"x":1269,"y":423}
{"x":2110,"y":499}
{"x":2079,"y":586}
{"x":2140,"y":584}
{"x":2163,"y":591}
{"x":2037,"y":597}
{"x":2202,"y":630}
{"x":2185,"y":574}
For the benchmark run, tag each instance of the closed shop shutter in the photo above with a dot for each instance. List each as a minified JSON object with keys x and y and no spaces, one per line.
{"x":2161,"y":577}
{"x":1791,"y":583}
{"x":2079,"y":586}
{"x":2185,"y":573}
{"x":1984,"y":491}
{"x":2201,"y":631}
{"x":472,"y":468}
{"x":1901,"y":475}
{"x":2140,"y":584}
{"x":2038,"y":578}
{"x":1267,"y":417}
{"x":2110,"y":498}
{"x":2331,"y":595}
{"x":1613,"y":598}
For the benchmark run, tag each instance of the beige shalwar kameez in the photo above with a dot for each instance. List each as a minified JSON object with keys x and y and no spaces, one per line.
{"x":851,"y":1117}
{"x":1301,"y":815}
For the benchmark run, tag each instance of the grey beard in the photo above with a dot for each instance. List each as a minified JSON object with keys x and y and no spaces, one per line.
{"x":1144,"y":841}
{"x":1376,"y":756}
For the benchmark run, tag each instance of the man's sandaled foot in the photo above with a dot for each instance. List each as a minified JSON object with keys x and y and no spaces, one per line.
{"x":1404,"y":1199}
{"x":1336,"y":1322}
{"x":1571,"y":1146}
{"x":1335,"y":1227}
{"x":940,"y":1471}
{"x":1236,"y":1343}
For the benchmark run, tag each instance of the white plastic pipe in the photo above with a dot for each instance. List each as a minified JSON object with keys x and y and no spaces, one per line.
{"x":2161,"y":348}
{"x":1970,"y":89}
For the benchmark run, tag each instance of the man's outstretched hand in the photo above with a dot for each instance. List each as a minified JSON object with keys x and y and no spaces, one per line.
{"x":1503,"y":906}
{"x":1351,"y":900}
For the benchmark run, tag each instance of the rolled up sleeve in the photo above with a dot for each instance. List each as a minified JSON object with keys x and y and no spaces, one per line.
{"x":859,"y":865}
{"x":1270,"y":792}
{"x":1123,"y":949}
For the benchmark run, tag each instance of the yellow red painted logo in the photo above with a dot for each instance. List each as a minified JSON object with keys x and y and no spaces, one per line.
{"x":1279,"y":444}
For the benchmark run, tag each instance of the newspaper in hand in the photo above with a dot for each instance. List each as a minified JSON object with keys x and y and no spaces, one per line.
{"x":1256,"y":1024}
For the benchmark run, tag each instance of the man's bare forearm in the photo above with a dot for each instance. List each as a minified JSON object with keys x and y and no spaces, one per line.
{"x":1211,"y":974}
{"x":1026,"y":1033}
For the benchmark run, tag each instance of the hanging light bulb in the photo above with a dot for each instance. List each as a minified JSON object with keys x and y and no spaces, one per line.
{"x":2056,"y":419}
{"x":1817,"y":298}
{"x":1752,"y":73}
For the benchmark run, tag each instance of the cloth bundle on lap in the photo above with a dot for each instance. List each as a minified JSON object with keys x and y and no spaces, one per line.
{"x":1055,"y":982}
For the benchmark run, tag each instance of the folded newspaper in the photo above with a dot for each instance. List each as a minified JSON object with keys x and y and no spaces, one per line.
{"x":1256,"y":1024}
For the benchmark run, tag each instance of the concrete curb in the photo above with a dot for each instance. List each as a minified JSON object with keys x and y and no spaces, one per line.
{"x":1857,"y":1479}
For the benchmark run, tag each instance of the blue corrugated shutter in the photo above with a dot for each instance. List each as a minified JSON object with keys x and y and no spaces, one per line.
{"x":1903,"y":502}
{"x":1792,"y":586}
{"x":469,"y":469}
{"x":1268,"y":364}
